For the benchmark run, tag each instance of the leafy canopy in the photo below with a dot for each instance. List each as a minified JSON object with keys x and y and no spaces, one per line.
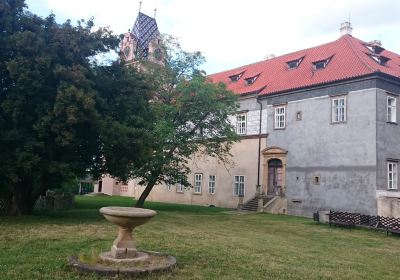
{"x":190,"y":114}
{"x":62,"y":115}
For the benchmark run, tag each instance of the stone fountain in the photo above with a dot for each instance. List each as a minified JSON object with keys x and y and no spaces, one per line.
{"x":126,"y":218}
{"x":124,"y":259}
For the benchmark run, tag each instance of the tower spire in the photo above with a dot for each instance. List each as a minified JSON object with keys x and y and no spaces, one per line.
{"x":140,"y":5}
{"x":155,"y":12}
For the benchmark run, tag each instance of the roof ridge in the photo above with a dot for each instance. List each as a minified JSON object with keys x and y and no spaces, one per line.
{"x":350,"y":43}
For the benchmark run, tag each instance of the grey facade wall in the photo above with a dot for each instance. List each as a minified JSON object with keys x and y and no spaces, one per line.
{"x":343,"y":155}
{"x":388,"y":139}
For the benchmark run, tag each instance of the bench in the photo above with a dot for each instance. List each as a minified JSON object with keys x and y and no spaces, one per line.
{"x":342,"y":219}
{"x":393,"y":229}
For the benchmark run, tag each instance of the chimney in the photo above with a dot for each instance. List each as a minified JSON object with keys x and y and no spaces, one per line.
{"x":345,"y":28}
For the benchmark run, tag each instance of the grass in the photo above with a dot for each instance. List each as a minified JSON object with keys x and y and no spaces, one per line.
{"x":207,"y":242}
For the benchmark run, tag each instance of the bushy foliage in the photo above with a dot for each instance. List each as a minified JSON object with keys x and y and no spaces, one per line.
{"x":62,"y":115}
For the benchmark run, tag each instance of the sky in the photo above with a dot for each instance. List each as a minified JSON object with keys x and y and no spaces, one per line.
{"x":232,"y":33}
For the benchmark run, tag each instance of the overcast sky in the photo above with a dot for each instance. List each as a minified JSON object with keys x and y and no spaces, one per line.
{"x":231,"y":33}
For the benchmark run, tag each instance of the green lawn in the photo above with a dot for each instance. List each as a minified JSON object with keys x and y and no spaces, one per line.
{"x":209,"y":243}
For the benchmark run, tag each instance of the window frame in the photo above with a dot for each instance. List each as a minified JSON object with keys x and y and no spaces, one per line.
{"x":212,"y":183}
{"x":333,"y":109}
{"x":238,"y":127}
{"x":236,"y":190}
{"x":180,"y":188}
{"x":196,"y":181}
{"x":294,"y":64}
{"x":276,"y":115}
{"x":392,"y":108}
{"x":392,"y":184}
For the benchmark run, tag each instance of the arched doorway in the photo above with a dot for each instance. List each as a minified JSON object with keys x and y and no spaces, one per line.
{"x":275,"y":176}
{"x":274,"y":171}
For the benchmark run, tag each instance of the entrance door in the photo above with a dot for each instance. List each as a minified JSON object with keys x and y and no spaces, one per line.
{"x":100,"y":186}
{"x":274,"y":177}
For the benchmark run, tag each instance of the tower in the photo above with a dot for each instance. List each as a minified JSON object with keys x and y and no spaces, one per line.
{"x":143,"y":42}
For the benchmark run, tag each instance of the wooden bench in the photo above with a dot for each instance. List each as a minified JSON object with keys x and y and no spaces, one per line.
{"x":342,"y":219}
{"x":393,"y":228}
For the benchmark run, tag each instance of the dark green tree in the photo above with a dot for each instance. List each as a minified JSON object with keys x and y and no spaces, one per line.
{"x":191,"y":116}
{"x":62,"y":115}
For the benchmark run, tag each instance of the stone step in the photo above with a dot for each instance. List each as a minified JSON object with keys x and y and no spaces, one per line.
{"x":252,"y":204}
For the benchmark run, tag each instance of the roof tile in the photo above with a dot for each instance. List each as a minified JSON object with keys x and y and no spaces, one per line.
{"x":350,"y":59}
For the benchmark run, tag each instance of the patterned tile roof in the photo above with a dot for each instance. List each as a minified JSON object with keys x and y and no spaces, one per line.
{"x":144,"y":30}
{"x":348,"y":57}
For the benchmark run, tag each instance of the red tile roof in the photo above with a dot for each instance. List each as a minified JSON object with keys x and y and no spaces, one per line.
{"x":350,"y":59}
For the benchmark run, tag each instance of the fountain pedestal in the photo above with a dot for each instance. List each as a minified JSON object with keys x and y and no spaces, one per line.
{"x":126,"y":218}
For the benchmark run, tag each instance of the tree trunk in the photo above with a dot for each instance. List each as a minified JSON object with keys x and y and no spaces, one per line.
{"x":21,"y":203}
{"x":144,"y":195}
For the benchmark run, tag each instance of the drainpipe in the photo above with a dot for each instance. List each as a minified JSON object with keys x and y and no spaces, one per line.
{"x":260,"y":205}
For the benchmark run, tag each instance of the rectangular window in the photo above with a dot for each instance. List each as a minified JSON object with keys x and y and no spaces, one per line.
{"x":392,"y":175}
{"x":339,"y":109}
{"x":197,"y":182}
{"x":211,"y":184}
{"x":238,"y":189}
{"x":241,"y":124}
{"x":180,"y":188}
{"x":280,"y":117}
{"x":391,"y":109}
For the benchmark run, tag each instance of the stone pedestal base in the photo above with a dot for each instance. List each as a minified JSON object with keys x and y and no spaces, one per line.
{"x":138,"y":257}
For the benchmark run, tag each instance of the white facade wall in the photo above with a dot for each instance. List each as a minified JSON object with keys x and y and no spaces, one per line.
{"x":253,"y":122}
{"x":244,"y":162}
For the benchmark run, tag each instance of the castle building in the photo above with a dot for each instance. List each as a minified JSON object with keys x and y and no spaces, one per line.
{"x":319,"y":131}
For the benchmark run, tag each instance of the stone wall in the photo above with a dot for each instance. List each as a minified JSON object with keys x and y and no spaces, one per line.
{"x":55,"y":201}
{"x":342,"y":155}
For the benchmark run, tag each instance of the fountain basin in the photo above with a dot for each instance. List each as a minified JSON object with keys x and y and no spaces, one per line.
{"x":129,"y":217}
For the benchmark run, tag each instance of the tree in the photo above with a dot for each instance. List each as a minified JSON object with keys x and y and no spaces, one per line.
{"x":191,"y":116}
{"x":62,"y":114}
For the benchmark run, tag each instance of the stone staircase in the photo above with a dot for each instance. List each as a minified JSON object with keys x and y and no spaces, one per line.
{"x":252,"y":204}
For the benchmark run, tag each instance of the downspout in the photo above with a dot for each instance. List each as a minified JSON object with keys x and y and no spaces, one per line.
{"x":258,"y":187}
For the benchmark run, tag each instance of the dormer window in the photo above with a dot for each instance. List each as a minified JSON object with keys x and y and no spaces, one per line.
{"x":382,"y":60}
{"x":293,"y":64}
{"x":251,"y":80}
{"x":236,"y":77}
{"x":321,"y":64}
{"x":375,"y":47}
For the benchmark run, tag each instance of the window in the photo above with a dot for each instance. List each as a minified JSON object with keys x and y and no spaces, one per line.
{"x":299,"y":115}
{"x":251,"y":80}
{"x":317,"y":180}
{"x":382,"y":60}
{"x":197,"y":182}
{"x":180,"y":188}
{"x":392,"y":175}
{"x":241,"y":124}
{"x":391,"y":109}
{"x":321,"y":64}
{"x":238,"y":189}
{"x":339,"y":109}
{"x":235,"y":78}
{"x":168,"y":186}
{"x":293,"y":64}
{"x":280,"y":117}
{"x":211,"y":184}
